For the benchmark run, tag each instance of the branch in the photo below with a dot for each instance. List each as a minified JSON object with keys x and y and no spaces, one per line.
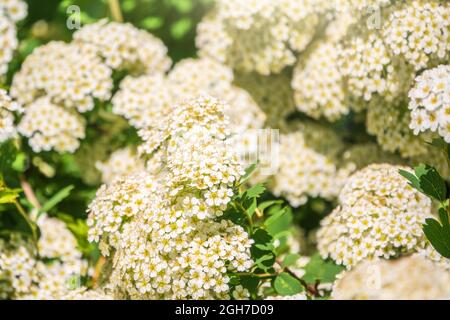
{"x":116,"y":13}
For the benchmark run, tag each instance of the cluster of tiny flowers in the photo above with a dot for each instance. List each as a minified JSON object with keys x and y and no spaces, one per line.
{"x":418,"y":31}
{"x":145,"y":100}
{"x":258,"y":35}
{"x":8,"y":43}
{"x":414,"y":35}
{"x":273,"y":94}
{"x":317,"y":80}
{"x":380,"y":215}
{"x":368,"y":69}
{"x":121,"y":163}
{"x":430,"y":253}
{"x":15,"y":10}
{"x":7,"y":107}
{"x":11,"y":11}
{"x":46,"y":277}
{"x":430,"y":102}
{"x":125,"y":47}
{"x":71,"y":75}
{"x":406,"y":278}
{"x":304,"y":172}
{"x":390,"y":125}
{"x":49,"y":126}
{"x":193,"y":77}
{"x":161,"y":229}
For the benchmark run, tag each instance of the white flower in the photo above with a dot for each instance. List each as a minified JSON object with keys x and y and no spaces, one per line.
{"x":380,"y":215}
{"x":430,"y":102}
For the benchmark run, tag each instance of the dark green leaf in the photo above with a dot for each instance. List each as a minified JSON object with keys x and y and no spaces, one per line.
{"x":439,"y":233}
{"x":431,"y":182}
{"x":415,"y":183}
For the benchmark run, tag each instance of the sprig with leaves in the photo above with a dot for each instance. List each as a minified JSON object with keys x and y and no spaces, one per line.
{"x":428,"y":181}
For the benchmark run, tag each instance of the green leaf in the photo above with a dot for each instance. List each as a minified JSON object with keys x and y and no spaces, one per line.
{"x":439,"y":233}
{"x":255,"y":191}
{"x":290,"y":260}
{"x":262,"y":250}
{"x":57,"y":198}
{"x":287,"y":285}
{"x":9,"y":195}
{"x":414,"y":182}
{"x":266,"y":204}
{"x":428,"y":181}
{"x":248,"y":173}
{"x":431,"y":182}
{"x":278,"y":221}
{"x":320,"y":270}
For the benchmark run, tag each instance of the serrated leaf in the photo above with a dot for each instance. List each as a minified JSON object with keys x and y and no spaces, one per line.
{"x":439,"y":233}
{"x":57,"y":198}
{"x":320,"y":270}
{"x":431,"y":182}
{"x":287,"y":285}
{"x":255,"y":191}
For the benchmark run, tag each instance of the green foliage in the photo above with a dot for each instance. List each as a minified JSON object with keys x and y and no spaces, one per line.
{"x":428,"y":181}
{"x":287,"y":285}
{"x":319,"y":270}
{"x":438,"y":233}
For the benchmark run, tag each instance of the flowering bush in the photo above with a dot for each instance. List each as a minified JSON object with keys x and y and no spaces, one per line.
{"x":224,"y":149}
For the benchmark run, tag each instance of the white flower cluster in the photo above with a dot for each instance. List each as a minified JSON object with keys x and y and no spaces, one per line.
{"x":125,"y":47}
{"x":49,"y":126}
{"x":304,"y":172}
{"x":419,"y":32}
{"x":406,"y":278}
{"x":317,"y":80}
{"x":72,"y":75}
{"x":11,"y":11}
{"x":7,"y":107}
{"x":54,"y":82}
{"x":162,"y":229}
{"x":380,"y":215}
{"x":121,"y":163}
{"x":46,"y":277}
{"x":258,"y":35}
{"x":15,"y":10}
{"x":143,"y":100}
{"x":414,"y":35}
{"x":359,"y":6}
{"x":146,"y":100}
{"x":273,"y":94}
{"x":430,"y":102}
{"x":389,"y":123}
